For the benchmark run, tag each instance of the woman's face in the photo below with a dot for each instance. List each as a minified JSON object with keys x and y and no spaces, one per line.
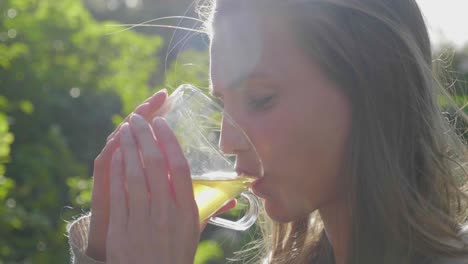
{"x":297,"y":119}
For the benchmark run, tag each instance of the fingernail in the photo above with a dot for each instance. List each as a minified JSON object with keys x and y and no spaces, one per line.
{"x":155,"y":94}
{"x":158,"y":121}
{"x":160,"y":91}
{"x":124,"y":129}
{"x":136,"y":119}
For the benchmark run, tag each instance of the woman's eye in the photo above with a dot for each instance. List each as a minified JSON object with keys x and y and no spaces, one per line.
{"x":261,"y":103}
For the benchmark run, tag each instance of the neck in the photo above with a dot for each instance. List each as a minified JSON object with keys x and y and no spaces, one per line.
{"x":336,"y":218}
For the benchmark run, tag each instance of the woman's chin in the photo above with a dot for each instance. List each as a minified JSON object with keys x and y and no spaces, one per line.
{"x":277,"y":213}
{"x":283,"y":214}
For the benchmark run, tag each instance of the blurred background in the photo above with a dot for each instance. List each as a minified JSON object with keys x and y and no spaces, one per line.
{"x":68,"y":77}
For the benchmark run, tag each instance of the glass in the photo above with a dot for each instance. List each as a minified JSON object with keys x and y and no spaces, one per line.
{"x":196,"y":120}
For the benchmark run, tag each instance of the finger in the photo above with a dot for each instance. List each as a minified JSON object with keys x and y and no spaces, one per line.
{"x":179,"y":170}
{"x":231,"y":204}
{"x":154,"y":162}
{"x":136,"y":186}
{"x":146,"y":109}
{"x":100,"y":196}
{"x":100,"y":203}
{"x":155,"y":103}
{"x":157,"y":94}
{"x":142,"y":109}
{"x":118,"y":208}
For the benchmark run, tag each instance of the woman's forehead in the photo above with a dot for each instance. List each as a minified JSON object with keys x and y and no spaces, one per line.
{"x":236,"y":48}
{"x":244,"y":45}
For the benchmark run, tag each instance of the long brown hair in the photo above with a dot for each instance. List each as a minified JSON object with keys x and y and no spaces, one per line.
{"x":405,"y":162}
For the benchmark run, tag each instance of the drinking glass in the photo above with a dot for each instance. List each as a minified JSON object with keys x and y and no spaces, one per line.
{"x":196,"y":120}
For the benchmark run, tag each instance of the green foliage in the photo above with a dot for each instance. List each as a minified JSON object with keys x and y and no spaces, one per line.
{"x":191,"y":66}
{"x":9,"y":53}
{"x":65,"y":82}
{"x":6,"y":138}
{"x":208,"y":251}
{"x":62,"y":79}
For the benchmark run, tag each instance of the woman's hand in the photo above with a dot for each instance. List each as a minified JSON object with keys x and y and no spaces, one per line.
{"x":153,"y":214}
{"x":99,"y":219}
{"x":100,"y":198}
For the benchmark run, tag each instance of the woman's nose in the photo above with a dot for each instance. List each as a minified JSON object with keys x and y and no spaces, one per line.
{"x":232,"y":139}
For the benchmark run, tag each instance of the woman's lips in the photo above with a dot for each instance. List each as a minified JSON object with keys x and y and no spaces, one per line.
{"x":257,"y":187}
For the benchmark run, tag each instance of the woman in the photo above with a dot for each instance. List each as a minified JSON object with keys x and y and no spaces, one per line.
{"x":339,"y":101}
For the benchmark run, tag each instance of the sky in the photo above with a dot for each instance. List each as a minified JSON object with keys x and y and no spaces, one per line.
{"x":447,"y":20}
